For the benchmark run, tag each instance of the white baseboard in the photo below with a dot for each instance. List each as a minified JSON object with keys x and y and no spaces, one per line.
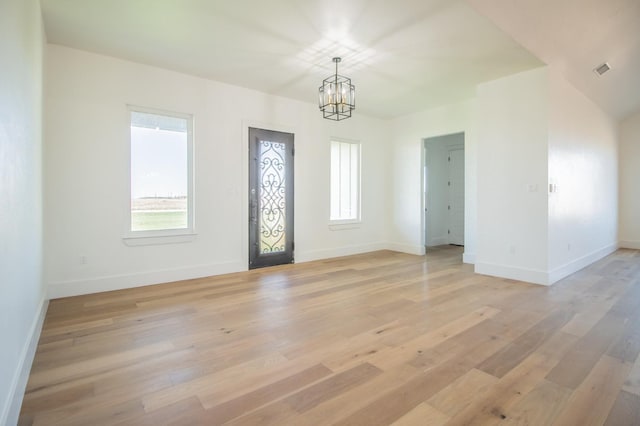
{"x":406,"y":248}
{"x":575,"y":265}
{"x":308,"y":256}
{"x":629,"y":244}
{"x":469,"y":258}
{"x":69,"y":288}
{"x":119,"y":282}
{"x":542,"y":277}
{"x":11,"y":410}
{"x":505,"y":271}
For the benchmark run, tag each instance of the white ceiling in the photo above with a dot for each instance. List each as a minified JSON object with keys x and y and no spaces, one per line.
{"x":403,"y":56}
{"x":575,"y":36}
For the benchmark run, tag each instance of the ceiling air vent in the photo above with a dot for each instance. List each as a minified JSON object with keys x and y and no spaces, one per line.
{"x":601,"y":69}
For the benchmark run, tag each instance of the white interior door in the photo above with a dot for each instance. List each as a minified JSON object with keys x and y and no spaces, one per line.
{"x":456,"y":197}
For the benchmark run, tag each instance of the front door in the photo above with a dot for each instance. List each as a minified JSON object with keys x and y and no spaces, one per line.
{"x":270,"y":198}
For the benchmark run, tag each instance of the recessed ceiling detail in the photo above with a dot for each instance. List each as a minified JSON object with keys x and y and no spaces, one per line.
{"x":355,"y":56}
{"x":404,"y":58}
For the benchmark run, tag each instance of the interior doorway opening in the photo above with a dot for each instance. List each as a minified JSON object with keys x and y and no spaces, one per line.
{"x":443,"y":191}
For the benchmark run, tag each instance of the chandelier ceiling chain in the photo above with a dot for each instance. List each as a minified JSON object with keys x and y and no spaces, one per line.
{"x":337,"y":96}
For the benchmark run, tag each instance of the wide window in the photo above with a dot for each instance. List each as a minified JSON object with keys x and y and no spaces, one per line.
{"x":345,"y":181}
{"x":161,"y":198}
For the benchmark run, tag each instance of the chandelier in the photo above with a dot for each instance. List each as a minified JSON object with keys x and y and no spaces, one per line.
{"x":337,"y":96}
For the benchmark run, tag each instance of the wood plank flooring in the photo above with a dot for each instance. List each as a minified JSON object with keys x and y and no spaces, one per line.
{"x":373,"y":339}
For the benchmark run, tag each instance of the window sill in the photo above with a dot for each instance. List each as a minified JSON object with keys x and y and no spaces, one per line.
{"x":150,"y":240}
{"x":344,"y":225}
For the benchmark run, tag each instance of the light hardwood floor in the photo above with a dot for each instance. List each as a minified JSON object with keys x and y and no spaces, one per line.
{"x":374,"y":339}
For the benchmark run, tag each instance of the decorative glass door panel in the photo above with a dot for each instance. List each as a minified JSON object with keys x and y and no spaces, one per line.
{"x":270,"y":198}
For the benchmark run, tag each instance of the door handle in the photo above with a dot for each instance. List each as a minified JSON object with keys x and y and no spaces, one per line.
{"x":253,"y":207}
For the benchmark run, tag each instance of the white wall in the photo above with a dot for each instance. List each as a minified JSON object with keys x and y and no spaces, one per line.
{"x":629,"y":157}
{"x":583,"y":164}
{"x":511,"y":134}
{"x":22,"y":296}
{"x":86,"y":174}
{"x":406,"y":192}
{"x":512,"y":176}
{"x":535,"y":129}
{"x":436,"y":187}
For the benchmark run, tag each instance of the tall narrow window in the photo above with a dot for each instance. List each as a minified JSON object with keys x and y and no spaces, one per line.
{"x":345,"y":181}
{"x":161,"y":146}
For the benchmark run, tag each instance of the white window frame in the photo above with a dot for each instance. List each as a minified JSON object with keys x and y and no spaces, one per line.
{"x":162,"y":236}
{"x":337,"y":224}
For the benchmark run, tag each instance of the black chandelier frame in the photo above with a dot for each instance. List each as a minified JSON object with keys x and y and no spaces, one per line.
{"x":337,"y":96}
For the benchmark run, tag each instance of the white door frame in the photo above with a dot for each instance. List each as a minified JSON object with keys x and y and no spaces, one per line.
{"x":425,"y":202}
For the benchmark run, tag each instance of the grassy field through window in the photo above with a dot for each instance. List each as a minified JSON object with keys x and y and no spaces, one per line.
{"x":152,"y":214}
